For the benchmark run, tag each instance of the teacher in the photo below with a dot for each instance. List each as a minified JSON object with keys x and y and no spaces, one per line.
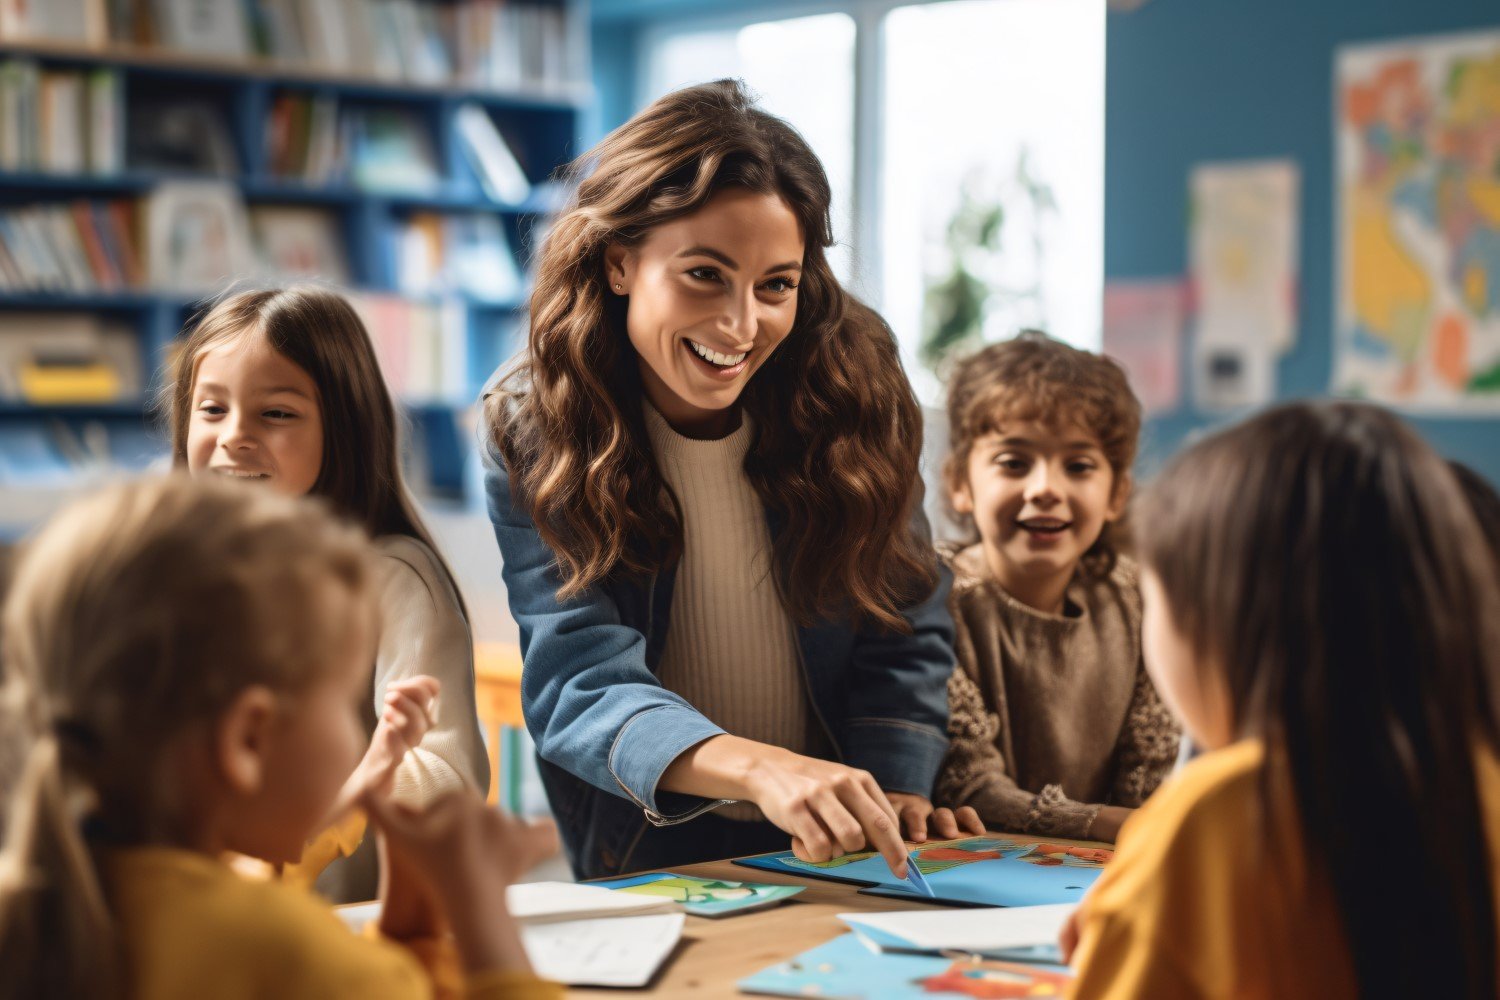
{"x":703,"y":477}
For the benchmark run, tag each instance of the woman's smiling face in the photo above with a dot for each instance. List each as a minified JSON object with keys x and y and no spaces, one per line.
{"x":709,"y":297}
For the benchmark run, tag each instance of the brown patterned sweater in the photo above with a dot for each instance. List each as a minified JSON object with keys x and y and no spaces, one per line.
{"x":1051,"y":716}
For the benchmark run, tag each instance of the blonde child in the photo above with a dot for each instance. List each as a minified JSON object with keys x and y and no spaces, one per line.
{"x":280,"y":388}
{"x":184,"y":664}
{"x":1056,"y":729}
{"x":1321,"y":613}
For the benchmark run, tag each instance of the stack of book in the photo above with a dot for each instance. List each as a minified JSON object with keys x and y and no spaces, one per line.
{"x":59,"y":121}
{"x":422,"y":346}
{"x":530,"y":45}
{"x":463,"y":253}
{"x":79,"y":247}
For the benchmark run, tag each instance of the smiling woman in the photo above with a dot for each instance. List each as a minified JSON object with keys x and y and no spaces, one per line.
{"x":703,"y":479}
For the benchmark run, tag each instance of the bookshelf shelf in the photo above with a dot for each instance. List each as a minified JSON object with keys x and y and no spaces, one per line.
{"x":158,"y":61}
{"x":299,"y":153}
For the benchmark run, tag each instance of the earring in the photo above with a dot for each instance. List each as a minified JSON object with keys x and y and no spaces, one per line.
{"x":618,"y":286}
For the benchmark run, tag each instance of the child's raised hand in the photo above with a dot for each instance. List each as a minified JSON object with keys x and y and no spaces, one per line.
{"x":407,"y":716}
{"x":461,"y":854}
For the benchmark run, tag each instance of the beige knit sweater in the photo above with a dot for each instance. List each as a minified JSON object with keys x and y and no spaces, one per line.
{"x":422,"y":631}
{"x":731,"y":649}
{"x":1051,"y":716}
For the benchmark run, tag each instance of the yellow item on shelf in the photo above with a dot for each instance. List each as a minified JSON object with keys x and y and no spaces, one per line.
{"x":52,"y":385}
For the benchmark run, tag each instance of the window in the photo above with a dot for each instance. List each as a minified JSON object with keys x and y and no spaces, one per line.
{"x":801,"y":69}
{"x":992,"y":194}
{"x":981,"y":156}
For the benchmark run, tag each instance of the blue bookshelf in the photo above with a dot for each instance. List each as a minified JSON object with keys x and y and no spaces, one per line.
{"x":541,"y":127}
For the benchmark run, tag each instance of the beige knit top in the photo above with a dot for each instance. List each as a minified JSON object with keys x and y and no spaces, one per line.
{"x":731,"y":649}
{"x":422,"y":631}
{"x":1051,"y":715}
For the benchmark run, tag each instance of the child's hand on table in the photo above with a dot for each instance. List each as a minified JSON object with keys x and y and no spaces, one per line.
{"x":919,"y":820}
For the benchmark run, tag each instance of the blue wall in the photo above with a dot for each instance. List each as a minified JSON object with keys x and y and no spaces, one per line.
{"x":1195,"y":80}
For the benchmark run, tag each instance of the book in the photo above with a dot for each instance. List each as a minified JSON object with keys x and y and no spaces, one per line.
{"x":982,"y":871}
{"x":297,"y":243}
{"x":202,"y":27}
{"x":180,"y":135}
{"x":490,"y":156}
{"x":845,"y":968}
{"x":392,"y":151}
{"x":705,"y":897}
{"x":51,"y":359}
{"x":197,"y":236}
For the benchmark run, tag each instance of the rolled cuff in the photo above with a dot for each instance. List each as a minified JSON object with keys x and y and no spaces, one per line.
{"x":902,"y":756}
{"x":646,"y":746}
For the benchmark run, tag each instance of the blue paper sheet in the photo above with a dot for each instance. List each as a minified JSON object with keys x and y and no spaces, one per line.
{"x":982,"y":871}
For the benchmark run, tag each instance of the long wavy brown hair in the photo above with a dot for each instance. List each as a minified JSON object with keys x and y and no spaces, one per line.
{"x":838,"y":431}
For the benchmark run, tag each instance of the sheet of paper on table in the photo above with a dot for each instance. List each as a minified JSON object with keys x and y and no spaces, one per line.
{"x":614,"y":951}
{"x":542,"y":902}
{"x":977,"y":931}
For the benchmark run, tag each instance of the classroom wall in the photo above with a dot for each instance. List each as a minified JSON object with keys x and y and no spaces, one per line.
{"x":1195,"y":80}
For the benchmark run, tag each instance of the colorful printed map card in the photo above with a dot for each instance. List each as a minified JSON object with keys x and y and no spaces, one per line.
{"x":703,"y":897}
{"x":980,"y":871}
{"x":844,"y":968}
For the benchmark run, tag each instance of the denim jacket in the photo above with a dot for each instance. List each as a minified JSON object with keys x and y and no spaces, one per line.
{"x":606,"y":729}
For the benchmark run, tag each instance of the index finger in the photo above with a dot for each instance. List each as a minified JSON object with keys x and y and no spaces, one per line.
{"x":881,"y":826}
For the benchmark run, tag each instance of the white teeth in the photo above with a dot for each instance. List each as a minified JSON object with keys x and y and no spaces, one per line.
{"x":237,"y":474}
{"x":715,"y":358}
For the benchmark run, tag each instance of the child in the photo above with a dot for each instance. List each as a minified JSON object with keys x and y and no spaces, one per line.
{"x":281,"y":388}
{"x":183,"y":668}
{"x":1320,"y":618}
{"x":1055,"y":726}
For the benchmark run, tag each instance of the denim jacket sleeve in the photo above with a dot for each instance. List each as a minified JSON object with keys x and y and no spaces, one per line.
{"x":897,"y":722}
{"x":592,"y":705}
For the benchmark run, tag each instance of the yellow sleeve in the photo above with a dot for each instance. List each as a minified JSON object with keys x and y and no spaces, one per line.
{"x":337,"y":841}
{"x":512,"y":986}
{"x":439,"y":958}
{"x":1117,"y":960}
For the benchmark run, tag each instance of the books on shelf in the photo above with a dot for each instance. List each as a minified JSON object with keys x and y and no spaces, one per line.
{"x":390,"y":150}
{"x":203,"y":27}
{"x":465,"y":253}
{"x":422,"y":346}
{"x":296,"y":243}
{"x":59,"y":121}
{"x":57,"y":359}
{"x":78,"y":247}
{"x":490,"y":155}
{"x":503,"y":45}
{"x":83,"y":21}
{"x":197,"y":236}
{"x":180,"y":134}
{"x":303,"y":140}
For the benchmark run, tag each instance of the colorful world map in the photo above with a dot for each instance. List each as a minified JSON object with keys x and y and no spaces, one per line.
{"x":1419,"y":191}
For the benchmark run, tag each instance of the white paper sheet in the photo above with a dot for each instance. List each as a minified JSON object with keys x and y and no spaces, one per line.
{"x":540,"y":902}
{"x":974,"y":930}
{"x":617,"y":951}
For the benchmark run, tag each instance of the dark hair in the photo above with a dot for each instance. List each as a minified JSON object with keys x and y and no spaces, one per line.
{"x":318,"y":331}
{"x":1034,"y":377}
{"x":837,"y":429}
{"x":1485,"y":503}
{"x":1321,"y":557}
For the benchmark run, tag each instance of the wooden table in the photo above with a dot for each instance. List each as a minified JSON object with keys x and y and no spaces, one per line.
{"x":714,"y":954}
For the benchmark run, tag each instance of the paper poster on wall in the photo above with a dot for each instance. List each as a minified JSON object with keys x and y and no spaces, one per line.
{"x":1243,"y":253}
{"x":1418,"y":302}
{"x":1232,"y":376}
{"x":1143,"y":332}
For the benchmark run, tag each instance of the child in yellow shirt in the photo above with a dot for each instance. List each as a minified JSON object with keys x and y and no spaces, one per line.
{"x":184,"y":666}
{"x":1321,"y":613}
